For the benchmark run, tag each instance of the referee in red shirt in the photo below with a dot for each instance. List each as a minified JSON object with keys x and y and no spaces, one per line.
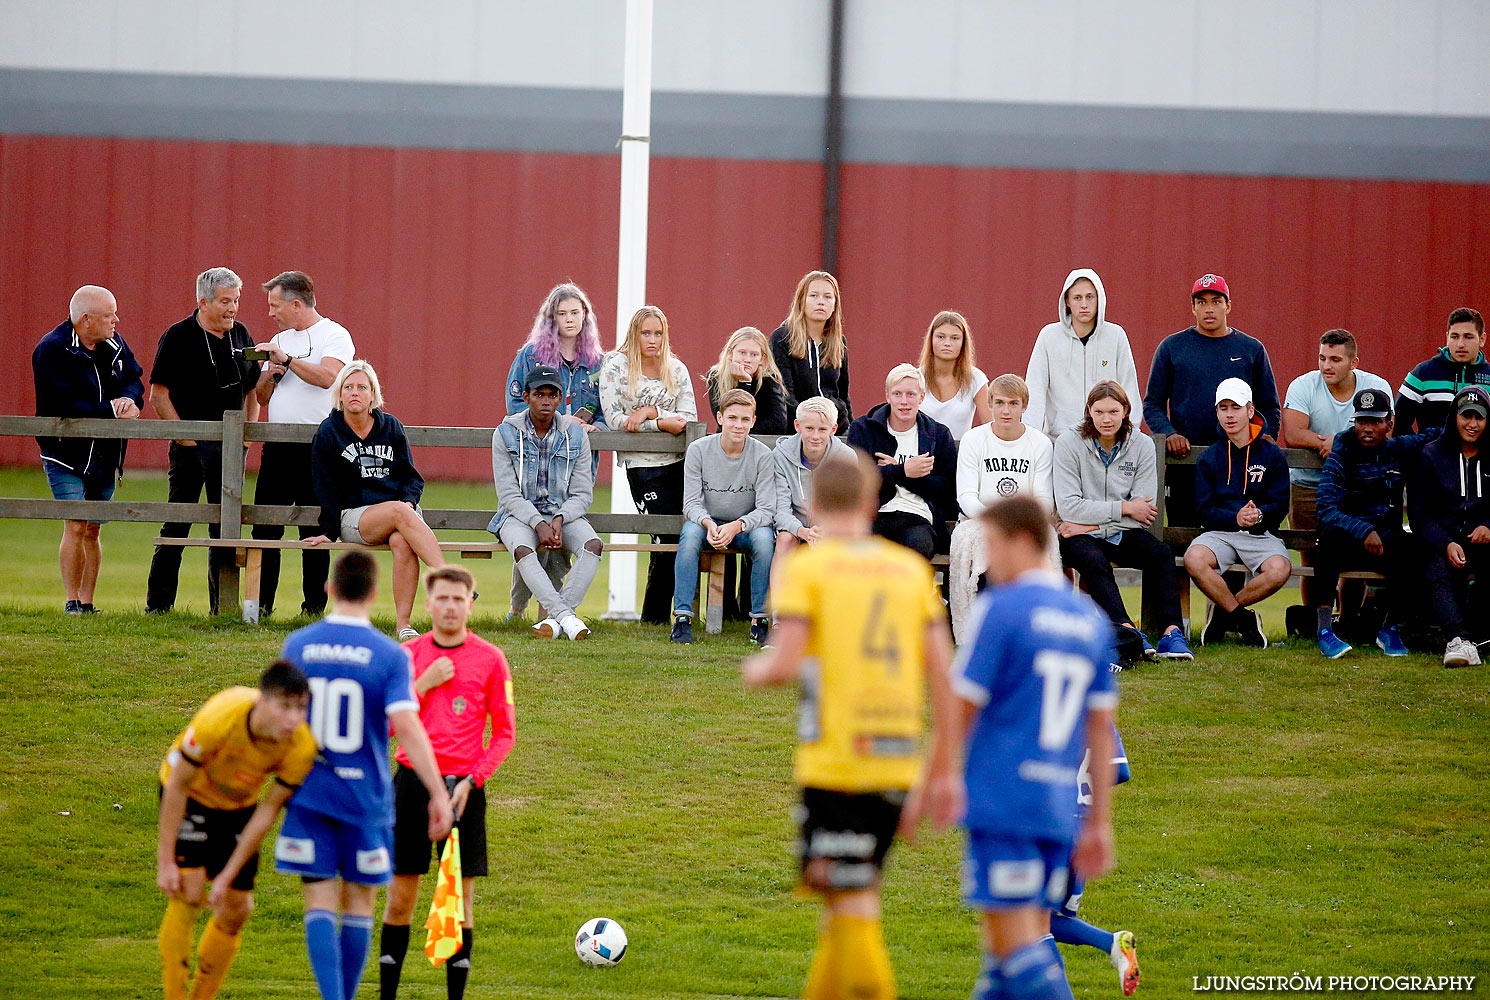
{"x":460,"y":680}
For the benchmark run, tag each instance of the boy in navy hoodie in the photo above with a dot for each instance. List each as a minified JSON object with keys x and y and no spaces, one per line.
{"x":1449,"y":509}
{"x":1424,"y":397}
{"x":1241,"y":495}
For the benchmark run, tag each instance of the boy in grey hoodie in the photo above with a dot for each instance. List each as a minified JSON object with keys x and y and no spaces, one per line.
{"x":545,"y":483}
{"x":1074,"y":353}
{"x":795,"y":459}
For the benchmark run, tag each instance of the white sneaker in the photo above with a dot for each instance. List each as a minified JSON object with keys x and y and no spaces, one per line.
{"x":406,"y":633}
{"x":546,"y":629}
{"x":1461,"y":653}
{"x":574,"y":628}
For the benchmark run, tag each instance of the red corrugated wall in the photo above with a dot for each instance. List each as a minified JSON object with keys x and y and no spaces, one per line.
{"x":437,"y":260}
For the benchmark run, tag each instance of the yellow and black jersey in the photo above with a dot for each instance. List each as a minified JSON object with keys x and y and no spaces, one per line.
{"x":867,"y":603}
{"x":234,"y":765}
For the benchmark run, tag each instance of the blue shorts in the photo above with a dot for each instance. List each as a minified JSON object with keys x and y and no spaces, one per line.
{"x":316,"y":846}
{"x":68,"y":485}
{"x":1005,"y":872}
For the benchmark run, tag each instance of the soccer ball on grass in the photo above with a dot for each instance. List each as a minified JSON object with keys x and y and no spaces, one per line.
{"x":601,"y":941}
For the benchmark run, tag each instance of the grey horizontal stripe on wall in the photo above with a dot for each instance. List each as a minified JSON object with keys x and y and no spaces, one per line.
{"x":746,"y":126}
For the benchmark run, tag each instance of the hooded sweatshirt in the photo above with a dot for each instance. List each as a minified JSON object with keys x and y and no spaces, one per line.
{"x":793,"y":479}
{"x":1090,"y":488}
{"x":348,"y":471}
{"x":1450,"y":494}
{"x":872,"y":434}
{"x":72,"y":381}
{"x":538,"y":478}
{"x":1063,"y":369}
{"x":1424,"y":397}
{"x":1226,"y":477}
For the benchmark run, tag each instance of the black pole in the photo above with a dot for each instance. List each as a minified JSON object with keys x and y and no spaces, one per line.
{"x":833,"y":141}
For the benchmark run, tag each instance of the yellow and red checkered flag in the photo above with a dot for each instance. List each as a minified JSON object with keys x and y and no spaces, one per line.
{"x":444,"y":937}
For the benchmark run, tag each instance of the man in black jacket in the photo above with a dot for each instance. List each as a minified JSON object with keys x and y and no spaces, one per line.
{"x":917,"y":461}
{"x":84,"y":368}
{"x":1449,"y":509}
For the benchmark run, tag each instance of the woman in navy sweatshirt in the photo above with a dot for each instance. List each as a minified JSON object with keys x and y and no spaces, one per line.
{"x":367,"y":486}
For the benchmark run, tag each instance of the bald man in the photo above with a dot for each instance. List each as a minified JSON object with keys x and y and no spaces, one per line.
{"x":84,"y":368}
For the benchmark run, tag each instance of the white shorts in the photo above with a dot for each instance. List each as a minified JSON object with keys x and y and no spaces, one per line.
{"x":350,"y":519}
{"x":1242,"y":547}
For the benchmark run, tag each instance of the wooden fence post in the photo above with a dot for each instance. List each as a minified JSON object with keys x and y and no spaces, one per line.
{"x":230,"y":523}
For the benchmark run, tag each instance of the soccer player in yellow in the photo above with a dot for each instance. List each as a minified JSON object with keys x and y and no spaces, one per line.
{"x":860,"y":625}
{"x":209,"y":803}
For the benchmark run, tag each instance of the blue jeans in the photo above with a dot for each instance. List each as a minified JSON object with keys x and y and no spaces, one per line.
{"x":760,"y":543}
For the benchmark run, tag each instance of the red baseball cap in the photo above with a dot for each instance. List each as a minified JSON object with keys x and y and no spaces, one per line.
{"x":1210,"y":283}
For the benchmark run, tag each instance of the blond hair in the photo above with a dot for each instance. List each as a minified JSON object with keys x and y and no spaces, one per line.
{"x":722,"y":380}
{"x":631,"y":348}
{"x":822,"y":406}
{"x":796,"y":323}
{"x":962,"y":365}
{"x":903,"y":371}
{"x":1009,"y":384}
{"x":372,"y":379}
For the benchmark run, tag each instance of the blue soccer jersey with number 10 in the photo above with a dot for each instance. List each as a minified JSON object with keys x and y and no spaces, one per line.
{"x":358,"y":677}
{"x":1039,"y":659}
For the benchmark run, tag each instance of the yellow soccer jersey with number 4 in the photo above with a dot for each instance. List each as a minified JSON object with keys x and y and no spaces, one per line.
{"x":867,"y":603}
{"x":233,"y":764}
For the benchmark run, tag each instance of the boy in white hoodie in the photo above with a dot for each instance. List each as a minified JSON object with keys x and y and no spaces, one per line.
{"x":1073,"y":354}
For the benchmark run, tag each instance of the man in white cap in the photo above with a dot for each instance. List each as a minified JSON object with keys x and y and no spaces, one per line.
{"x":1241,"y":496}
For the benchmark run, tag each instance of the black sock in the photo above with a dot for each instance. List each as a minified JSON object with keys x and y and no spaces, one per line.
{"x":392,"y":947}
{"x":458,"y":969}
{"x":1326,"y":618}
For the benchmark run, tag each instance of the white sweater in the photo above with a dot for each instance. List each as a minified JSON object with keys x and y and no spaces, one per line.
{"x":1062,"y":369}
{"x":990,"y":469}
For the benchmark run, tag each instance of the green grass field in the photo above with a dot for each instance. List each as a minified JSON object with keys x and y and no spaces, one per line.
{"x":1287,"y":814}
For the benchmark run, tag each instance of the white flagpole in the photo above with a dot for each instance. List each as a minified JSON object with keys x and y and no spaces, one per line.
{"x":631,"y":272}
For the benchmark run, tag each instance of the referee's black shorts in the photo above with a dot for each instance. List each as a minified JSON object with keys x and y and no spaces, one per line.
{"x":412,"y":850}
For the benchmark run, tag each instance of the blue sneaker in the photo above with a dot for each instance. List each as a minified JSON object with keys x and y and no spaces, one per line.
{"x":1172,"y":646}
{"x":1331,"y":645}
{"x":1390,"y":641}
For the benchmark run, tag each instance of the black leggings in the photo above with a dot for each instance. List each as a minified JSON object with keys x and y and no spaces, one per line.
{"x":658,"y":490}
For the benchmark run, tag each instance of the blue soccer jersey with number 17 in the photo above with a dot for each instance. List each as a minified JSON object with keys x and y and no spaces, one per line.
{"x":358,"y":677}
{"x":1039,"y":659}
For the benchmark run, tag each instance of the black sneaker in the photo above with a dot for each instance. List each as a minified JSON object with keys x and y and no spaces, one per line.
{"x":760,"y":631}
{"x":1216,"y":622}
{"x":682,"y":630}
{"x":73,"y":608}
{"x":87,"y":609}
{"x":1249,"y":625}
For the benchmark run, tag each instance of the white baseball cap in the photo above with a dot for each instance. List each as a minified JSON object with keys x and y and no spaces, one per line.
{"x":1234,"y":389}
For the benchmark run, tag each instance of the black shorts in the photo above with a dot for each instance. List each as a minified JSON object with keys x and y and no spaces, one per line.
{"x":845,"y":837}
{"x":412,"y":850}
{"x":207,"y":838}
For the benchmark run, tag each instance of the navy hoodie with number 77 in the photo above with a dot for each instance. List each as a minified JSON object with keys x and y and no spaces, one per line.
{"x":1227,"y":477}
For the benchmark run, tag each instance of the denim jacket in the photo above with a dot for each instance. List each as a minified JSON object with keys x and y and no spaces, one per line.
{"x":515,"y":450}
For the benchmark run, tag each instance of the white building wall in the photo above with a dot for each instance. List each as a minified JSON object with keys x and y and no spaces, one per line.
{"x":1412,"y":57}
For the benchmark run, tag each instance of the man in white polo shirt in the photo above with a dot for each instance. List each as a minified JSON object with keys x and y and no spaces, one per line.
{"x":295,"y":387}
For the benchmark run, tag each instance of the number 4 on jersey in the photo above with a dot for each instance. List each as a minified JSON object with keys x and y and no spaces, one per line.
{"x":880,"y":640}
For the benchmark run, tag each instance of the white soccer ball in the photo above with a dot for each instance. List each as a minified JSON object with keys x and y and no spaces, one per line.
{"x":600,"y":942}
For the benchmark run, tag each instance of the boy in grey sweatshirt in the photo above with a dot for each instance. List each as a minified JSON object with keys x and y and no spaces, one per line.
{"x":729,"y":491}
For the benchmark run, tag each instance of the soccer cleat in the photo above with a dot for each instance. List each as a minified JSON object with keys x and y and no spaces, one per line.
{"x":1249,"y":625}
{"x":1390,"y":641}
{"x":1124,"y":956}
{"x":73,"y":608}
{"x":406,"y":633}
{"x":760,"y":631}
{"x":547,"y":629}
{"x":574,"y":627}
{"x":1172,"y":646}
{"x":682,"y":630}
{"x":1216,"y":622}
{"x":1331,"y":645}
{"x":1460,"y":652}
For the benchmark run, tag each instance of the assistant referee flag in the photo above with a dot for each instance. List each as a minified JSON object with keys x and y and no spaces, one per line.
{"x":444,"y":937}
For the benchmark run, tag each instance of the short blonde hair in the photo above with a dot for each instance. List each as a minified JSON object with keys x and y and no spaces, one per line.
{"x":902,"y":371}
{"x":346,"y":372}
{"x":1009,"y":384}
{"x":822,"y":406}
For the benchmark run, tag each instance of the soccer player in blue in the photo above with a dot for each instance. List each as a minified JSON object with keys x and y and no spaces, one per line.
{"x":1036,"y":692}
{"x":340,"y":822}
{"x":1066,"y":927}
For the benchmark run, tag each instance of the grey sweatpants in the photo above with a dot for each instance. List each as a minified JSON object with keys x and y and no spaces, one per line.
{"x":514,"y":534}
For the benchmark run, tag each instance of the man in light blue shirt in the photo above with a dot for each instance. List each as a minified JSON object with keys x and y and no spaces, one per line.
{"x":1319,"y":405}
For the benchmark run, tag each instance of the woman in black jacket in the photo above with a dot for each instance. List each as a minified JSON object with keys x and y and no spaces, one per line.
{"x":809,"y":348}
{"x":367,"y":486}
{"x":746,"y":363}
